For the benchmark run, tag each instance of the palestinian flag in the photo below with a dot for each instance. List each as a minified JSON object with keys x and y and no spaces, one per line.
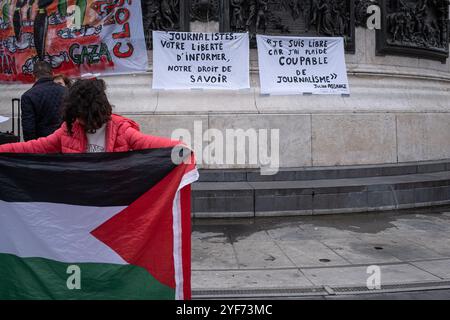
{"x":95,"y":226}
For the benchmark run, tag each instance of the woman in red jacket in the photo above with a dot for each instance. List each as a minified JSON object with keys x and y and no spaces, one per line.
{"x":90,"y":126}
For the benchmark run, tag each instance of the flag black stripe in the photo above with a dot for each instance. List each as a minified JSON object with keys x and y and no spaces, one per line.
{"x":102,"y":179}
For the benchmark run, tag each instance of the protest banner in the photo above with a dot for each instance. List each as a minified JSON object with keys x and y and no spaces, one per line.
{"x":74,"y":36}
{"x":296,"y":65}
{"x":184,"y":60}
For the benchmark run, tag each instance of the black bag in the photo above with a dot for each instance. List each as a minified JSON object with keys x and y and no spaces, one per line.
{"x":10,"y":136}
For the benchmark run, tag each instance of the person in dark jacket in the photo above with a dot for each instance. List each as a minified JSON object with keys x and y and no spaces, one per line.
{"x":41,"y":105}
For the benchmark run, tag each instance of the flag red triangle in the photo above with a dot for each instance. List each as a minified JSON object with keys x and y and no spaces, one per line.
{"x":142,"y":234}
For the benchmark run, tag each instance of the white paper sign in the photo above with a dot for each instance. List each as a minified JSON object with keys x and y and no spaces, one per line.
{"x":296,"y":65}
{"x":186,"y":60}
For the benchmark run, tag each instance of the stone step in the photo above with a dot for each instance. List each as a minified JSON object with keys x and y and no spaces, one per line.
{"x":221,"y":199}
{"x":318,"y":173}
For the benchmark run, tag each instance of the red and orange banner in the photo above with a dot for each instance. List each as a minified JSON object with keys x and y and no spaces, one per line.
{"x":75,"y":36}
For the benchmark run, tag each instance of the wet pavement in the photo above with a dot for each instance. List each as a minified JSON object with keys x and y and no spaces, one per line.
{"x":411,"y":247}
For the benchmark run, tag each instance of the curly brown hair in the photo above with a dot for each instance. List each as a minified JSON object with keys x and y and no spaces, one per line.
{"x":88,"y":103}
{"x":67,"y":81}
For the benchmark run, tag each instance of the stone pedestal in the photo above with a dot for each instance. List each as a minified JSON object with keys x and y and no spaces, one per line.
{"x":398,"y":111}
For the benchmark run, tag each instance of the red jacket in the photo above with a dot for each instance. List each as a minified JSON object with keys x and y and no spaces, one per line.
{"x":122,"y":135}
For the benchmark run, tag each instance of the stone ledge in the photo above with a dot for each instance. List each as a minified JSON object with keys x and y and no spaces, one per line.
{"x":322,"y":196}
{"x":320,"y":173}
{"x":370,"y":93}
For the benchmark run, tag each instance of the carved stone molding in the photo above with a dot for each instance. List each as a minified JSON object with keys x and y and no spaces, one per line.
{"x":163,"y":15}
{"x":409,"y":27}
{"x":292,"y":17}
{"x":176,"y":15}
{"x":414,"y":28}
{"x":205,"y":10}
{"x":361,"y":11}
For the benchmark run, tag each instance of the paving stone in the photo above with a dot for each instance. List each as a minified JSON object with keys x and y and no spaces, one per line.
{"x":359,"y":252}
{"x":402,"y":249}
{"x":310,"y":253}
{"x":249,"y":279}
{"x":357,"y":276}
{"x":434,"y":242}
{"x":428,"y":224}
{"x":212,"y":251}
{"x":318,"y":232}
{"x":438,"y":268}
{"x":254,"y":236}
{"x":286,"y":233}
{"x":260,"y":254}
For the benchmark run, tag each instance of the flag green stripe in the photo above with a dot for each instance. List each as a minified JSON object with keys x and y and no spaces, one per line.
{"x":42,"y":279}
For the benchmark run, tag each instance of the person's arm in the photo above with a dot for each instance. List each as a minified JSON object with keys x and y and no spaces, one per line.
{"x":28,"y":118}
{"x":139,"y":141}
{"x":50,"y":144}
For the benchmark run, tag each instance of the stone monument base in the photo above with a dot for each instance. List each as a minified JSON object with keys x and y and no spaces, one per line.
{"x":318,"y":191}
{"x":398,"y":112}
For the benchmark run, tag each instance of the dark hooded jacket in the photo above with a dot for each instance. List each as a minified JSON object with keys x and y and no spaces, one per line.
{"x":41,"y":109}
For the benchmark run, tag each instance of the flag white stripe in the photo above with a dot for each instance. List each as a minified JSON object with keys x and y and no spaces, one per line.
{"x":177,"y":247}
{"x":187,"y":179}
{"x":57,"y":232}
